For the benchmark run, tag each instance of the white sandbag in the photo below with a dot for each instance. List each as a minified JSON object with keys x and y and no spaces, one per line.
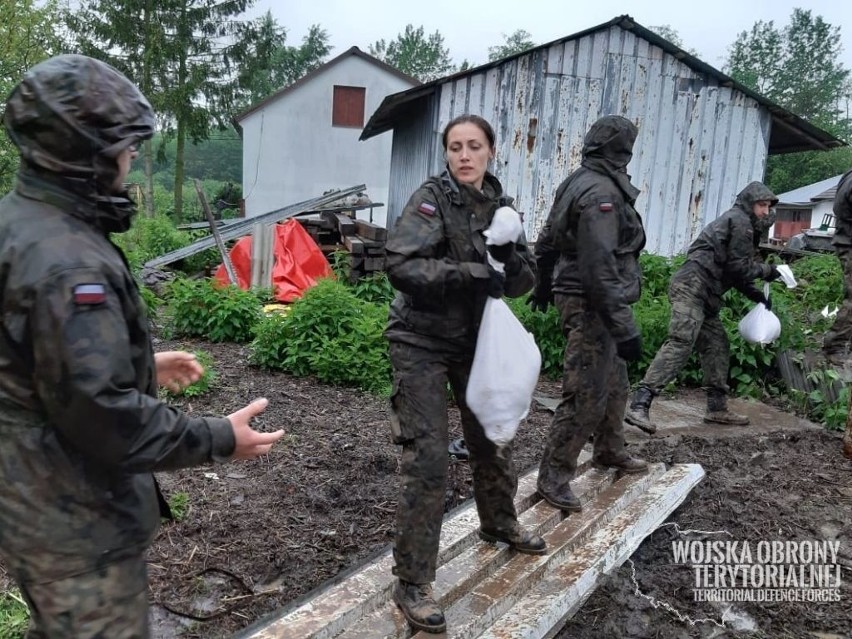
{"x":787,"y":275}
{"x":504,"y":374}
{"x":505,"y":226}
{"x":760,"y":326}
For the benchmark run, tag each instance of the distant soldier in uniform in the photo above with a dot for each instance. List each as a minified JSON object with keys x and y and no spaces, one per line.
{"x":588,"y":260}
{"x":81,"y":428}
{"x":436,"y":259}
{"x":722,"y":257}
{"x":836,"y":344}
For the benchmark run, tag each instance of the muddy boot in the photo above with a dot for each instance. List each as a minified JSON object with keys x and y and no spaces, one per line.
{"x":520,"y":539}
{"x":458,"y":449}
{"x":554,"y":486}
{"x":624,"y":463}
{"x":637,"y":412}
{"x":718,"y":413}
{"x":419,"y":607}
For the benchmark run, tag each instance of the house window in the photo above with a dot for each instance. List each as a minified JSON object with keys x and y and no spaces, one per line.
{"x":348,"y":107}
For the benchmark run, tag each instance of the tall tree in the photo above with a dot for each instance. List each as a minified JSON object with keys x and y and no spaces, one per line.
{"x":189,"y":54}
{"x":799,"y":68}
{"x":669,"y":33}
{"x":130,"y":35}
{"x":278,"y":65}
{"x":29,"y":33}
{"x":517,"y":42}
{"x":413,"y":52}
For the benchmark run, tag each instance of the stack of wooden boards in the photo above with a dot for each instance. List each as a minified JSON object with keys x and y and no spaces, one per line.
{"x":364,"y":241}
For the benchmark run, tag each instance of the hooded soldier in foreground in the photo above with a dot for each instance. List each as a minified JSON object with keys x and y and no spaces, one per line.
{"x":588,"y":261}
{"x":81,"y":428}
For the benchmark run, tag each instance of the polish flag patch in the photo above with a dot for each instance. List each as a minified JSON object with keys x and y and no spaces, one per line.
{"x":426,"y":208}
{"x":605,"y":206}
{"x":89,"y":294}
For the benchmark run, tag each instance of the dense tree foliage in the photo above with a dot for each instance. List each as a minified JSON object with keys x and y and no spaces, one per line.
{"x":413,"y":52}
{"x":798,"y":67}
{"x":29,"y":33}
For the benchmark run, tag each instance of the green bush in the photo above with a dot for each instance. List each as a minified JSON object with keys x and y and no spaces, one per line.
{"x":204,"y":308}
{"x":150,"y":237}
{"x":547,"y":330}
{"x":328,"y":333}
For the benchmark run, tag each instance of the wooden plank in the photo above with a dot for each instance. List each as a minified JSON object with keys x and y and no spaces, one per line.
{"x":226,"y":260}
{"x":371,"y":231}
{"x":353,"y":244}
{"x":345,"y":224}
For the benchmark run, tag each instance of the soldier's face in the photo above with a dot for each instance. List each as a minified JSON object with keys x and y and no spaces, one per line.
{"x":468,"y":153}
{"x":760,"y":209}
{"x":124,"y":160}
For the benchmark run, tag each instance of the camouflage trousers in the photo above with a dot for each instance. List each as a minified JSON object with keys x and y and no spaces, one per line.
{"x":839,"y":338}
{"x":110,"y":603}
{"x":419,"y":422}
{"x":691,"y":325}
{"x":594,"y":395}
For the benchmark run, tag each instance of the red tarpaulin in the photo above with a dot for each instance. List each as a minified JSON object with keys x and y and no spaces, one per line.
{"x":299,"y":263}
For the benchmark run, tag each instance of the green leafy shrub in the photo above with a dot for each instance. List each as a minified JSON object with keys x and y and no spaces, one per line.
{"x":375,"y":288}
{"x":203,"y":308}
{"x":547,"y":329}
{"x":150,"y":237}
{"x":328,"y":333}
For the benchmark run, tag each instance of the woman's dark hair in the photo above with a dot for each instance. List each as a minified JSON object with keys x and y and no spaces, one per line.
{"x":482,"y":123}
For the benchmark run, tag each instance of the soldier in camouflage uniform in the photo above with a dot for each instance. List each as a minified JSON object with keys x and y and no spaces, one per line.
{"x":722,"y":257}
{"x":836,"y":344}
{"x":587,"y":256}
{"x":81,"y":428}
{"x":436,"y":259}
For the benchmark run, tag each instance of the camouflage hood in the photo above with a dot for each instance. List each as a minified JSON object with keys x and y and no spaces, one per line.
{"x":608,"y":148}
{"x":70,"y":117}
{"x":757,"y":192}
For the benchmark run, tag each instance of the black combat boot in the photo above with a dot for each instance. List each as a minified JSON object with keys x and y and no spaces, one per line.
{"x":718,"y":413}
{"x":419,"y":606}
{"x":520,"y":539}
{"x":637,"y":412}
{"x":555,"y":489}
{"x":623,"y":462}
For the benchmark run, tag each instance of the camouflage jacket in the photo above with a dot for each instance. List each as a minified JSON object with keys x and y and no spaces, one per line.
{"x":81,"y":428}
{"x":723,"y":255}
{"x":843,"y":211}
{"x":597,"y":236}
{"x":435,"y":253}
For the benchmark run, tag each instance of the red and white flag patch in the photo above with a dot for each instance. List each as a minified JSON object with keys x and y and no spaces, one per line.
{"x":426,"y":208}
{"x":605,"y":206}
{"x":89,"y":294}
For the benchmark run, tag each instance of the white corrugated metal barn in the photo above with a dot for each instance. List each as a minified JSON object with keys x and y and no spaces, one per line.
{"x":702,"y":136}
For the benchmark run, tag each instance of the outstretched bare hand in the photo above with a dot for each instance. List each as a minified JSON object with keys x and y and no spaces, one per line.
{"x":249,"y":442}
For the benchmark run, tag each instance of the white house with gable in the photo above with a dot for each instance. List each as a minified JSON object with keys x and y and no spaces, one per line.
{"x":303,"y":139}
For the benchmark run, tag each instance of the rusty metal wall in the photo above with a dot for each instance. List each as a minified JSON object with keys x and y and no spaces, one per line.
{"x":699,"y":143}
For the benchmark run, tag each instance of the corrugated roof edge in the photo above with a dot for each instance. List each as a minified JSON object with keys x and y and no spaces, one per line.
{"x":382,"y":120}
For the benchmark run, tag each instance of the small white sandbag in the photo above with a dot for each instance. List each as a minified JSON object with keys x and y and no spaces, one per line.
{"x":504,"y":373}
{"x":760,"y":326}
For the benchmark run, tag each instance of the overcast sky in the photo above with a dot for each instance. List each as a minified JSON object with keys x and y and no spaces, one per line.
{"x":469,"y":27}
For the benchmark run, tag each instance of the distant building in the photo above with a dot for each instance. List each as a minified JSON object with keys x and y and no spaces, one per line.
{"x":804,"y":208}
{"x":303,"y":139}
{"x":702,"y":136}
